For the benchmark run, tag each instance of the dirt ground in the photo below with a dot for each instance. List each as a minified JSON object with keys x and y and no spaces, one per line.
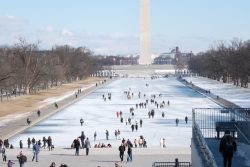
{"x":30,"y":103}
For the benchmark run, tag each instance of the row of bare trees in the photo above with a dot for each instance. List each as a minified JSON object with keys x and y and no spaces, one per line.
{"x":24,"y":68}
{"x":226,"y":62}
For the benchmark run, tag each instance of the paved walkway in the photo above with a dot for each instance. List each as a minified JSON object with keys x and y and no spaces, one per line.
{"x":103,"y":157}
{"x":239,"y":158}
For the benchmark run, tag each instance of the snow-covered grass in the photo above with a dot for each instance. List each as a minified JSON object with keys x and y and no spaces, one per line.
{"x":52,"y":100}
{"x":239,"y":96}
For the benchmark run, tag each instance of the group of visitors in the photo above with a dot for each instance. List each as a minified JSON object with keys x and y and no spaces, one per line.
{"x":81,"y":141}
{"x":102,"y":145}
{"x":122,"y":149}
{"x":104,"y":97}
{"x":53,"y":164}
{"x":4,"y":143}
{"x":79,"y":91}
{"x":45,"y":142}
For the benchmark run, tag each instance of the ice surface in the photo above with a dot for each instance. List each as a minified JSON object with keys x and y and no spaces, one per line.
{"x":100,"y":115}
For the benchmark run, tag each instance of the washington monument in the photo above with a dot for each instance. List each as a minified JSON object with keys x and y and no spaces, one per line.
{"x":145,"y":33}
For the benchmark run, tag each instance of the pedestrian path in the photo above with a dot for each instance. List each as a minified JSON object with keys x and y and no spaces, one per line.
{"x":103,"y":157}
{"x":238,"y":158}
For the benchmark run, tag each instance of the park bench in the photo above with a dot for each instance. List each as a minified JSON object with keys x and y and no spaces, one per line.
{"x":223,"y":126}
{"x":171,"y":164}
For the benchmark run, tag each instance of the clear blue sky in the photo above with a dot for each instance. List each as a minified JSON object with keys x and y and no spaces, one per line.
{"x":112,"y":26}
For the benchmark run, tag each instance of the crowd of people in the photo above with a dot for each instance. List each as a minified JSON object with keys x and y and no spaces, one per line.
{"x":129,"y":118}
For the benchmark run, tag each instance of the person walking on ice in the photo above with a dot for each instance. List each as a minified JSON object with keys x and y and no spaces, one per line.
{"x":81,"y":121}
{"x":176,"y":121}
{"x":186,"y":119}
{"x":140,"y":122}
{"x":107,"y":134}
{"x":82,"y":137}
{"x":95,"y":134}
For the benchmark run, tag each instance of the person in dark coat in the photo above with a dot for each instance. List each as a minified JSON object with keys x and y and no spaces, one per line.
{"x":107,"y":134}
{"x":140,"y":122}
{"x":44,"y":142}
{"x":39,"y":143}
{"x":81,"y":121}
{"x":29,"y":142}
{"x":176,"y":121}
{"x":95,"y":134}
{"x":21,"y":144}
{"x":163,"y":114}
{"x":33,"y":141}
{"x":21,"y":159}
{"x":176,"y":163}
{"x":28,"y":121}
{"x":49,"y":143}
{"x":136,"y":126}
{"x":129,"y":159}
{"x":132,"y":127}
{"x":122,"y":150}
{"x":186,"y":119}
{"x":38,"y":113}
{"x":77,"y":146}
{"x":56,"y":105}
{"x":82,"y":137}
{"x":227,"y":148}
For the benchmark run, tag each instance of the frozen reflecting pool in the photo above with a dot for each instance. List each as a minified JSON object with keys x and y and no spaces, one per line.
{"x":100,"y":115}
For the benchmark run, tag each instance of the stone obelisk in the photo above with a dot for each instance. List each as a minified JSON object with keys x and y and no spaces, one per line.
{"x":145,"y":33}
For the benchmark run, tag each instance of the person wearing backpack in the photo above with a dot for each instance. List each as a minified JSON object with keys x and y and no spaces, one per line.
{"x":227,"y":148}
{"x":22,"y":159}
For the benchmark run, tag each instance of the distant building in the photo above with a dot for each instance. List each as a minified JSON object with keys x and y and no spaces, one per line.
{"x":173,"y":57}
